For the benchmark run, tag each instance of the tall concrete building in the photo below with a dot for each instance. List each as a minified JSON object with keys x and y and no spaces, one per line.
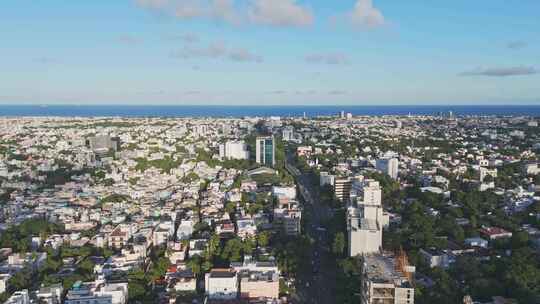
{"x":365,"y":218}
{"x":288,"y":134}
{"x":233,"y":150}
{"x":103,"y":142}
{"x":342,"y":188}
{"x":386,"y":279}
{"x":389,"y":166}
{"x":266,"y":151}
{"x":326,"y":179}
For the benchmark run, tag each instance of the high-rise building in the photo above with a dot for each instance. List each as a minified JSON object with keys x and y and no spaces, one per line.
{"x":365,"y":218}
{"x":388,"y":166}
{"x":288,"y":134}
{"x":266,"y":149}
{"x":387,"y":278}
{"x":326,"y":179}
{"x":342,"y":188}
{"x":234,"y":150}
{"x":103,"y":142}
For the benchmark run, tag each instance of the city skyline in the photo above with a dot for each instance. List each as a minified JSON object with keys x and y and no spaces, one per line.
{"x":285,"y":52}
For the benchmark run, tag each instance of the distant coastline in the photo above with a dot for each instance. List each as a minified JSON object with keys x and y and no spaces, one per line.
{"x":265,"y":111}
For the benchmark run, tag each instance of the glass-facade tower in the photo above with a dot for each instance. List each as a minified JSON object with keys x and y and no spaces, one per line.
{"x":266,"y":151}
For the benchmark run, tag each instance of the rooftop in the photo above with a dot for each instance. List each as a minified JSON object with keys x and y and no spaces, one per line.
{"x":222,"y":273}
{"x":382,"y":269}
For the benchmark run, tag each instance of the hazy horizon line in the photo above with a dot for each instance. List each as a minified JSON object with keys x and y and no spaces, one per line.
{"x":461,"y":104}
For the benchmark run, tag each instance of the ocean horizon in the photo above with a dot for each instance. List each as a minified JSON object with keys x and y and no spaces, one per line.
{"x":113,"y":110}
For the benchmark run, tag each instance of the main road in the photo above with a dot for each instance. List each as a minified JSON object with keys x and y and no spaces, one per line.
{"x":316,"y":285}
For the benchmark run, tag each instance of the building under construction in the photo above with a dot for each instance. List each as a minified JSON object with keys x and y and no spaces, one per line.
{"x":387,"y":279}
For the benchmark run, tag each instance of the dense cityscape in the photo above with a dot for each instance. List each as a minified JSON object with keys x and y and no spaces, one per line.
{"x":441,"y":208}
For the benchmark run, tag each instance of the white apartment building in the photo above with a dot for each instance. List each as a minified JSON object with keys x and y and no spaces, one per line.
{"x":185,"y":229}
{"x":288,"y":192}
{"x":531,"y":168}
{"x":221,"y":284}
{"x":4,"y":278}
{"x":19,"y":297}
{"x":486,"y":171}
{"x":326,"y":179}
{"x":365,"y":218}
{"x":233,"y":150}
{"x":288,"y":217}
{"x":4,"y":172}
{"x":389,"y":166}
{"x":288,"y":134}
{"x":50,"y":294}
{"x":97,"y":292}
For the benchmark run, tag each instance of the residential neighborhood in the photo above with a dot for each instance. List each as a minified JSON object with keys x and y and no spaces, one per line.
{"x":333,"y":209}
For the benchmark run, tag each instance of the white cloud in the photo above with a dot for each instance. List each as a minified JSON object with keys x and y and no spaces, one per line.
{"x":366,"y":15}
{"x":502,"y":71}
{"x":224,"y":10}
{"x":129,"y":39}
{"x":267,"y":12}
{"x":515,"y":45}
{"x":328,"y":58}
{"x":153,"y":4}
{"x":244,"y":55}
{"x":221,"y":10}
{"x":186,"y":38}
{"x":215,"y":51}
{"x":337,"y":92}
{"x":280,"y":13}
{"x":189,"y":9}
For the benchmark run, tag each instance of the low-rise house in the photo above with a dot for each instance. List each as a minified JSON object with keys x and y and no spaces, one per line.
{"x":246,"y":227}
{"x":4,"y":278}
{"x":180,"y":278}
{"x":225,"y":227}
{"x":97,"y":292}
{"x":476,"y":242}
{"x":437,"y":258}
{"x":50,"y":294}
{"x":258,"y":280}
{"x":494,"y":233}
{"x":259,"y":285}
{"x":197,"y":247}
{"x":288,"y":217}
{"x":19,"y":297}
{"x":531,"y":168}
{"x":185,"y":229}
{"x":176,"y":252}
{"x":119,"y":237}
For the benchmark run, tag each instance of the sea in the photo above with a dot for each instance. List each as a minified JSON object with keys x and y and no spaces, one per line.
{"x":260,"y":111}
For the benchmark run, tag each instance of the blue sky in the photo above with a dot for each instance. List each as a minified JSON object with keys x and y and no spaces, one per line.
{"x":278,"y":52}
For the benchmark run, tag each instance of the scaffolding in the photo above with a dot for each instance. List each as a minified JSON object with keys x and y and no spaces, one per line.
{"x":402,"y":265}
